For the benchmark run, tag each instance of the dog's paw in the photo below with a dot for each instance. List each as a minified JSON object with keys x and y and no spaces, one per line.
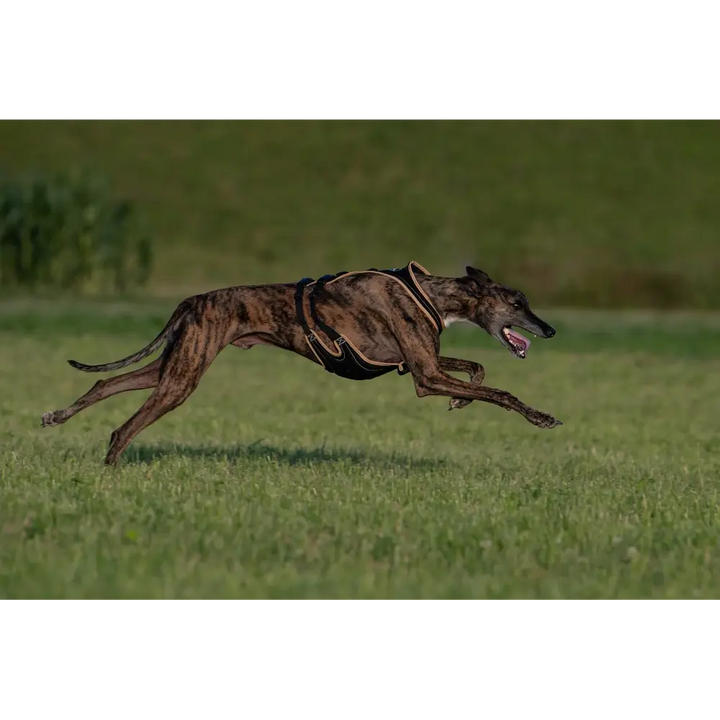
{"x":48,"y":419}
{"x":543,"y":420}
{"x":458,"y":403}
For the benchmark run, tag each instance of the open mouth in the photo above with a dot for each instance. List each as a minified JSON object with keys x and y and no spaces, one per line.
{"x":517,"y":343}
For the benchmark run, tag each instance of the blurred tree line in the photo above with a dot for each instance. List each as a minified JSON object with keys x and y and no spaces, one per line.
{"x":66,"y":232}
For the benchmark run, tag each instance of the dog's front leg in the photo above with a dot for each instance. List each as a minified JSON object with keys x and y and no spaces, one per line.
{"x":435,"y":382}
{"x":473,"y":369}
{"x":424,"y":362}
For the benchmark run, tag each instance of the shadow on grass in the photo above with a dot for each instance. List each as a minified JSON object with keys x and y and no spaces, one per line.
{"x":258,"y":452}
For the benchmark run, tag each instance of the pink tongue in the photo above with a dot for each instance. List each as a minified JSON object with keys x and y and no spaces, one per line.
{"x":518,"y":339}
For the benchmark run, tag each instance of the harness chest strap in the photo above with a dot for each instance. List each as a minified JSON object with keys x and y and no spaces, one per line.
{"x":406,"y":276}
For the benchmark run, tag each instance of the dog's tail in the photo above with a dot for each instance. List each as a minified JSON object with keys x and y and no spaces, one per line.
{"x":140,"y":354}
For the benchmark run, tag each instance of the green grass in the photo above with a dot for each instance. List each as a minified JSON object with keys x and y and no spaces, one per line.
{"x":613,"y":214}
{"x":279,"y":480}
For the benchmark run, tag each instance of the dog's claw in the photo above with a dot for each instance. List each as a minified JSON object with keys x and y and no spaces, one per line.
{"x":48,"y":419}
{"x":544,"y":421}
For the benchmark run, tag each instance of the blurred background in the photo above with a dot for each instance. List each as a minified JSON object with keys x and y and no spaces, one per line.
{"x":576,"y":214}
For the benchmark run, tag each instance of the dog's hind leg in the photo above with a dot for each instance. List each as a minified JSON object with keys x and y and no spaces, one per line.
{"x":141,"y":379}
{"x":189,"y":357}
{"x":473,"y":369}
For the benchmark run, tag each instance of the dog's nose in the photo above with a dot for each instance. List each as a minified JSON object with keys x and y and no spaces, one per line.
{"x":550,"y":332}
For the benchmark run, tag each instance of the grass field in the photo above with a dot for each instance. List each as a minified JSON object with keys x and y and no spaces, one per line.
{"x":613,"y":214}
{"x":277,"y":479}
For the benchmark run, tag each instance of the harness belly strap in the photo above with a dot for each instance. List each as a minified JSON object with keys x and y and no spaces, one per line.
{"x":299,"y":311}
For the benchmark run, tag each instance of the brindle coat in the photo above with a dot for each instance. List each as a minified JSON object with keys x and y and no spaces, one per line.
{"x":377,"y":315}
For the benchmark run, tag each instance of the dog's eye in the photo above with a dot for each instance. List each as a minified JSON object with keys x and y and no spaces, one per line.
{"x":517,"y":305}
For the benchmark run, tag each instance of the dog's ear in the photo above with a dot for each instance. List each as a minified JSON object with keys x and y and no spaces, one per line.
{"x":482,"y":277}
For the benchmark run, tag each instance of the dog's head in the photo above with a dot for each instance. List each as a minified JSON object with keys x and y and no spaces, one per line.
{"x":497,"y":308}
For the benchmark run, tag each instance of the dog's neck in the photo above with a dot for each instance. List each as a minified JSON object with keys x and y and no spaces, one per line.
{"x":447,"y":297}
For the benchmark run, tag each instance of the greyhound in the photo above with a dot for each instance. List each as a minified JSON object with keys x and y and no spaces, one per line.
{"x":367,"y":323}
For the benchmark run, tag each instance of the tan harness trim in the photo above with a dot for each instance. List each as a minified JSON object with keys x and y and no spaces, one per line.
{"x":337,"y":351}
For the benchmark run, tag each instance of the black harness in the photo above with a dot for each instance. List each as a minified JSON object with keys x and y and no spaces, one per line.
{"x":346,"y":360}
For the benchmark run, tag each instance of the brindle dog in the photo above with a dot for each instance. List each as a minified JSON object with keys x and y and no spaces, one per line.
{"x":372,"y":310}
